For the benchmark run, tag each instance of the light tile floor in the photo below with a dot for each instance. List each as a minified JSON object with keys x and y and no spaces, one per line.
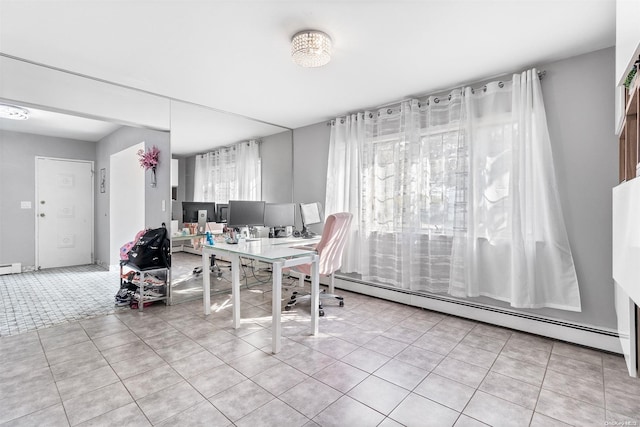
{"x":374,"y":363}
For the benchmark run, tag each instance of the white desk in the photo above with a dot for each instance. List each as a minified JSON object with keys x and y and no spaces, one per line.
{"x":280,"y":253}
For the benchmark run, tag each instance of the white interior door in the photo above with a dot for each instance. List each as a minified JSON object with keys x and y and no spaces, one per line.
{"x":64,"y":209}
{"x":126,"y":201}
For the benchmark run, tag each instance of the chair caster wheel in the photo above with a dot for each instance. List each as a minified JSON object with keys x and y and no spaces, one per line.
{"x":287,"y":308}
{"x":321,"y":313}
{"x":341,"y":303}
{"x":294,"y":293}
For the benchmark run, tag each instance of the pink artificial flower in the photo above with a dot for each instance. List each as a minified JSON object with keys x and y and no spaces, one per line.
{"x":149,"y":159}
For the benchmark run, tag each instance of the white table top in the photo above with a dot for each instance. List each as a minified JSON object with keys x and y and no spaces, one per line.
{"x":266,"y":249}
{"x":295,"y":241}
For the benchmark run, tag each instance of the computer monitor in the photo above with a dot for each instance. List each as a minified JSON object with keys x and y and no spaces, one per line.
{"x":279,"y":214}
{"x":222,"y":212}
{"x":245,"y":213}
{"x":190,"y":211}
{"x":311,"y":213}
{"x":280,"y":218}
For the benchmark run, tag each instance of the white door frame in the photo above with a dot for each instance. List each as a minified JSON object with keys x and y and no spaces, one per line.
{"x":35,"y":210}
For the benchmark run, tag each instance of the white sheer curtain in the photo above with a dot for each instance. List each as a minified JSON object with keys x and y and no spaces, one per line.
{"x":408,"y":160}
{"x":449,"y":189}
{"x":343,"y":185}
{"x":512,"y":243}
{"x":229,"y":173}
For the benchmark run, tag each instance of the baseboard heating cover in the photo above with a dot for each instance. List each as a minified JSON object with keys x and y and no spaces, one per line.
{"x":13,"y":268}
{"x":600,"y":338}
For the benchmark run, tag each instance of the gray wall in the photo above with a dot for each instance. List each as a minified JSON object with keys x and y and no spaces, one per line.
{"x":189,"y":174}
{"x":176,"y":205}
{"x":17,"y":183}
{"x":310,"y":157}
{"x":154,"y":216}
{"x":276,"y":155}
{"x":579,"y":101}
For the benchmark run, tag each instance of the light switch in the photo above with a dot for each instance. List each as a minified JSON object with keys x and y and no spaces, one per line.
{"x":25,"y":204}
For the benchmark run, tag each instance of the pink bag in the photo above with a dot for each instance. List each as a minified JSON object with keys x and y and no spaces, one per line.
{"x":124,"y":249}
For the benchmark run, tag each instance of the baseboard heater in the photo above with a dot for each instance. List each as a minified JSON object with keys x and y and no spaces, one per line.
{"x":13,"y":268}
{"x":600,"y":338}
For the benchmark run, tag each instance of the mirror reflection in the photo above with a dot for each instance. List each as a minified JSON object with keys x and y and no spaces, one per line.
{"x":120,"y":198}
{"x":209,"y":148}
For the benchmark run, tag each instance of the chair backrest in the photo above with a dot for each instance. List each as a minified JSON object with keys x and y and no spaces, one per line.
{"x":332,"y":243}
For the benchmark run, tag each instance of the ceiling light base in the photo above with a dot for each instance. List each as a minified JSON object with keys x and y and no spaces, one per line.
{"x":311,"y":48}
{"x":13,"y":112}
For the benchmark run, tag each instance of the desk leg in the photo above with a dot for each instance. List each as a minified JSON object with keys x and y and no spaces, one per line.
{"x":235,"y":288}
{"x":206,"y":283}
{"x":276,"y":313}
{"x":315,"y":295}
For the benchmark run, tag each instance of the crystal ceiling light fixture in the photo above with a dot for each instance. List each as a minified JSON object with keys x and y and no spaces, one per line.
{"x":13,"y":112}
{"x":311,"y":48}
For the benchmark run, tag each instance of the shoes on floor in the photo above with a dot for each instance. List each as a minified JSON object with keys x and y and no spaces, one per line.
{"x":123,"y":303}
{"x":151,"y":293}
{"x":123,"y":297}
{"x":153,"y":280}
{"x":129,"y":287}
{"x":134,"y":304}
{"x":148,"y":294}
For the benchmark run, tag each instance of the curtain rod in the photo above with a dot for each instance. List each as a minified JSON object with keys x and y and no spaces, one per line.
{"x":541,"y":75}
{"x":231,"y":147}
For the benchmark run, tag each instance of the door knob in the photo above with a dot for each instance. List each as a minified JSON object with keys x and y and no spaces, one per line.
{"x":42,"y":215}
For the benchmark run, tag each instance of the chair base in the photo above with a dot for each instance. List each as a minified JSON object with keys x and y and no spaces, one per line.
{"x":214,"y":268}
{"x":296,"y":298}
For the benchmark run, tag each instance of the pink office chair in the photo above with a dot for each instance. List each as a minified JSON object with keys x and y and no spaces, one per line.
{"x":330,"y":248}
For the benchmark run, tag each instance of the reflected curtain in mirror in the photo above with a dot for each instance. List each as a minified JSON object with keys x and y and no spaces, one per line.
{"x":229,"y":173}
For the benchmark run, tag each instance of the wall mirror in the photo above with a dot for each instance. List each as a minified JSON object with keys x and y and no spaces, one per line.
{"x":195,"y":130}
{"x":87,"y":119}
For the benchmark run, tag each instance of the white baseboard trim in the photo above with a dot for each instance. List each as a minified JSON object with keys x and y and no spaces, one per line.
{"x":12,"y":268}
{"x":589,"y":336}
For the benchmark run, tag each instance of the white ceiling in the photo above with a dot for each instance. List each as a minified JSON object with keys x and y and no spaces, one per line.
{"x":60,"y":125}
{"x":234,"y":55}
